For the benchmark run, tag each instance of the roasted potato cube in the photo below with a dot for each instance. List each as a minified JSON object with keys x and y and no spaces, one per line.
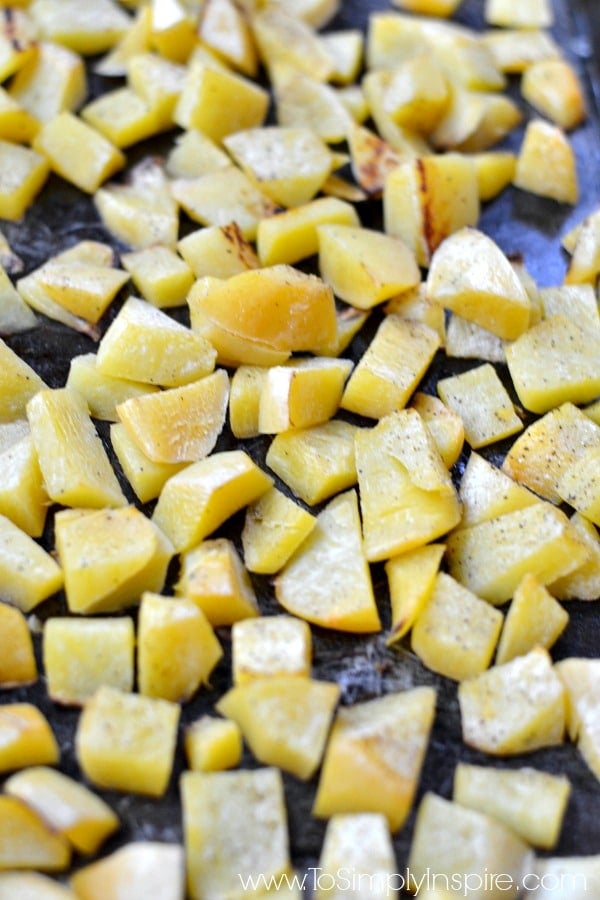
{"x":17,"y":659}
{"x":416,"y":306}
{"x":126,"y":742}
{"x":73,"y":461}
{"x":495,"y":170}
{"x":584,"y":582}
{"x":371,"y":158}
{"x":159,"y":82}
{"x":411,"y":578}
{"x":15,"y":315}
{"x":546,"y":163}
{"x":474,"y":847}
{"x":23,"y":497}
{"x":27,"y":738}
{"x":584,"y":265}
{"x":446,"y":426}
{"x":289,"y":165}
{"x":109,"y":557}
{"x":218,"y":250}
{"x":270,"y":646}
{"x":83,"y":289}
{"x":172,"y":30}
{"x":530,"y":802}
{"x":374,"y":756}
{"x":361,"y":842}
{"x":102,"y":392}
{"x":491,"y":557}
{"x":345,"y":49}
{"x":244,"y":400}
{"x":534,"y":619}
{"x":579,"y":485}
{"x":567,"y":876}
{"x":122,"y":116}
{"x":552,"y":87}
{"x":514,"y":708}
{"x":160,"y":275}
{"x":195,"y":501}
{"x":580,"y":678}
{"x":17,"y":40}
{"x":301,"y":393}
{"x":292,"y":235}
{"x":26,"y":842}
{"x":219,"y":103}
{"x":136,"y":40}
{"x":147,"y":478}
{"x":181,"y":424}
{"x":136,"y":870}
{"x":570,"y":359}
{"x":284,"y":719}
{"x":327,"y":580}
{"x":530,"y":14}
{"x":486,"y":492}
{"x":406,"y":494}
{"x":70,"y":809}
{"x":471,"y":276}
{"x":85,"y":26}
{"x":194,"y":154}
{"x":23,"y":174}
{"x":483,"y":403}
{"x":548,"y":447}
{"x":16,"y":124}
{"x":284,"y":38}
{"x":302,"y":101}
{"x":225,"y":30}
{"x":225,"y":839}
{"x":213,"y":577}
{"x":390,"y":368}
{"x":212,"y":744}
{"x":82,"y":654}
{"x":456,"y":633}
{"x":176,"y":648}
{"x":77,"y":152}
{"x":425,"y":200}
{"x":28,"y":574}
{"x":274,"y":528}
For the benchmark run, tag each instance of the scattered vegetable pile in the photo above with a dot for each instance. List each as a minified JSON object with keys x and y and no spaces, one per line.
{"x":299,"y":468}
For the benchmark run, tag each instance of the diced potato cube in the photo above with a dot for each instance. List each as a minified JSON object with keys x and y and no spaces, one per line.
{"x":483,"y":403}
{"x":181,"y":424}
{"x":292,"y":235}
{"x":486,"y":492}
{"x":69,"y":808}
{"x":244,"y":400}
{"x":28,"y":574}
{"x":84,"y":289}
{"x":303,"y":101}
{"x":17,"y":659}
{"x":495,"y":170}
{"x":122,"y":116}
{"x":219,"y":103}
{"x":146,"y":477}
{"x":551,"y":86}
{"x":534,"y":619}
{"x":194,"y":154}
{"x":475,"y":846}
{"x":195,"y":501}
{"x":172,"y":29}
{"x":390,"y":368}
{"x":85,"y":26}
{"x":345,"y":49}
{"x":213,"y":577}
{"x":109,"y":557}
{"x":467,"y":340}
{"x":475,"y":121}
{"x":301,"y":393}
{"x":23,"y":174}
{"x":446,"y":426}
{"x":365,"y":267}
{"x":408,"y":143}
{"x":283,"y":37}
{"x":32,"y":886}
{"x":546,"y":163}
{"x":575,"y":301}
{"x":360,"y":844}
{"x":102,"y":392}
{"x":585,"y":252}
{"x":491,"y":557}
{"x":52,"y":81}
{"x":289,"y":165}
{"x":212,"y":744}
{"x":225,"y":839}
{"x":160,"y":275}
{"x":136,"y":870}
{"x":456,"y":633}
{"x":15,"y":315}
{"x":270,"y":646}
{"x":126,"y":742}
{"x":514,"y":708}
{"x":571,"y":364}
{"x":284,"y":720}
{"x":515,"y":49}
{"x":471,"y":276}
{"x":23,"y":497}
{"x":16,"y":124}
{"x":176,"y":648}
{"x":82,"y":654}
{"x":548,"y":447}
{"x":145,"y":344}
{"x":417,"y":306}
{"x":530,"y":14}
{"x":141,"y":212}
{"x":579,"y":485}
{"x":530,"y":802}
{"x":225,"y":29}
{"x":26,"y":842}
{"x":274,"y":527}
{"x":27,"y":738}
{"x":371,"y":159}
{"x":406,"y":493}
{"x":584,"y":582}
{"x":374,"y":756}
{"x":411,"y":578}
{"x":218,"y":250}
{"x":580,"y":678}
{"x":565,"y":877}
{"x":427,"y":199}
{"x":317,"y":462}
{"x":17,"y":40}
{"x":159,"y":82}
{"x":77,"y":152}
{"x":327,"y":580}
{"x":73,"y":461}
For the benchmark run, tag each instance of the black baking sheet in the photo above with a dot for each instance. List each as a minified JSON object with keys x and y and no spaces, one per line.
{"x":364,"y":666}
